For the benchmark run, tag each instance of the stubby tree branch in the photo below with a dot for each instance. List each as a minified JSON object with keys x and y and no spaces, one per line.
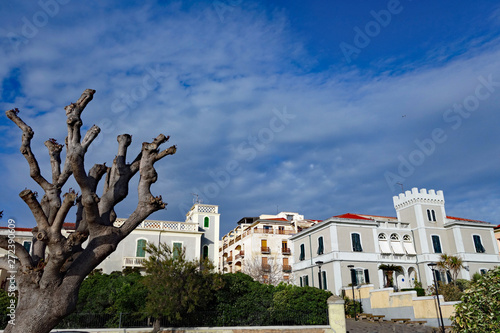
{"x":60,"y":262}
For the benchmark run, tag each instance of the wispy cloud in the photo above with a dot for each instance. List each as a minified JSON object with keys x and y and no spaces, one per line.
{"x":213,"y":86}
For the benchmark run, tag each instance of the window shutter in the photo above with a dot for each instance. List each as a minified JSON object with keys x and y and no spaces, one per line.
{"x":302,"y":252}
{"x":320,"y":245}
{"x":356,"y":242}
{"x":354,"y":280}
{"x":367,"y":276}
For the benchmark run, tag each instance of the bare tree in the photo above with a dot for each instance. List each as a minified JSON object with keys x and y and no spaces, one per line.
{"x":49,"y":279}
{"x":270,"y":272}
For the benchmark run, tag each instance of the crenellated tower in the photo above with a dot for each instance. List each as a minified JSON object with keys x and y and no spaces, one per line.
{"x":421,"y":208}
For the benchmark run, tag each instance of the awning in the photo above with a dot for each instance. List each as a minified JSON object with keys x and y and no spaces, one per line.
{"x":410,"y":249}
{"x":384,"y":247}
{"x":397,"y":248}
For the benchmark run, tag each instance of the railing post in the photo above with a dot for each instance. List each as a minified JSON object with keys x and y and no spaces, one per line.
{"x":336,"y":314}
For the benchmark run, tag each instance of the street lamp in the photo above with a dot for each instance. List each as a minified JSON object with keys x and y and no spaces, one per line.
{"x":353,"y":282}
{"x":319,"y":263}
{"x":432,"y":265}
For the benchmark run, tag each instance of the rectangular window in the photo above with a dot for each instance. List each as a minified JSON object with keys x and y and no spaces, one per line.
{"x":360,"y":276}
{"x":302,"y":252}
{"x":306,"y":280}
{"x":176,"y":249}
{"x":478,"y":244}
{"x":436,"y":244}
{"x":356,"y":242}
{"x":320,"y":245}
{"x":323,"y":277}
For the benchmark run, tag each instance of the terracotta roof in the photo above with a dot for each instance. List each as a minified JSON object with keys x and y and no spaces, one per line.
{"x":69,"y":226}
{"x":352,"y":216}
{"x":18,"y":229}
{"x":462,"y":219}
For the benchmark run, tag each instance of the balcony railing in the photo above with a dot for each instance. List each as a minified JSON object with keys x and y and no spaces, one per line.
{"x":265,"y":250}
{"x":266,"y":267}
{"x":240,"y":255}
{"x":287,"y":268}
{"x":133,"y":261}
{"x":162,"y":225}
{"x":229,"y":259}
{"x":286,"y":251}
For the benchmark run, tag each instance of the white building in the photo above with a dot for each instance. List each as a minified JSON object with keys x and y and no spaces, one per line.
{"x":260,"y":247}
{"x":419,"y":234}
{"x":198,"y":234}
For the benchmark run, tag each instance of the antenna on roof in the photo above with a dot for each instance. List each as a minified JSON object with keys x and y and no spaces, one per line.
{"x":196,"y":199}
{"x":402,"y":189}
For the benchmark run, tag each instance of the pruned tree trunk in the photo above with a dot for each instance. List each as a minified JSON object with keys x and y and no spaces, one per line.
{"x":49,"y":279}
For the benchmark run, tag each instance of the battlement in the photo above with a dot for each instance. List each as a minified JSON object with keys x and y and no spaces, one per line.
{"x":415,"y":196}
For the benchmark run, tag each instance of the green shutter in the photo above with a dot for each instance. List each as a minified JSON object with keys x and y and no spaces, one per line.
{"x":141,"y":248}
{"x":320,"y":245}
{"x":206,"y":222}
{"x":177,"y":250}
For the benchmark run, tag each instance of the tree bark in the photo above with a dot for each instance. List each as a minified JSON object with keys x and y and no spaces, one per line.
{"x":48,"y":281}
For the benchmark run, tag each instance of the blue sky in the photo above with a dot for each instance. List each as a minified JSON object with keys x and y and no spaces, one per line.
{"x":319,"y":108}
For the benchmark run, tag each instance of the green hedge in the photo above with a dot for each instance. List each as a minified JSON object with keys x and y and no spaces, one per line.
{"x":420,"y":291}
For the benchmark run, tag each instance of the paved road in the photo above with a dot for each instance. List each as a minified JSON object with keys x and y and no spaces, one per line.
{"x":384,"y":327}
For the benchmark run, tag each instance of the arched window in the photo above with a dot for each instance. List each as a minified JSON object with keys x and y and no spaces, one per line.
{"x":382,"y":237}
{"x":205,"y":251}
{"x":206,"y":222}
{"x":406,"y":238}
{"x":395,"y":237}
{"x":141,"y":248}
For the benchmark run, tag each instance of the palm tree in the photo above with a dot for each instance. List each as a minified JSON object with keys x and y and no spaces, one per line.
{"x":453,"y":264}
{"x":388,"y":272}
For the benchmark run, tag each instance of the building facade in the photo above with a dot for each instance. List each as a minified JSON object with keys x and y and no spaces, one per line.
{"x":260,"y":246}
{"x":330,"y":251}
{"x":198,"y":235}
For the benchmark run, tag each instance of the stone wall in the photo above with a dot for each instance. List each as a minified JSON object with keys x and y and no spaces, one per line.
{"x":405,"y":304}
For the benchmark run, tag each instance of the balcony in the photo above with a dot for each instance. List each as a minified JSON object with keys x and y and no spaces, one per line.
{"x":229,"y":259}
{"x":240,"y":255}
{"x":266,"y":267}
{"x":133,"y":261}
{"x":286,"y":251}
{"x":265,"y":250}
{"x":287,"y":268}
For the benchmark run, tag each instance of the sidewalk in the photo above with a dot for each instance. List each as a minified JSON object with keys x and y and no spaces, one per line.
{"x":384,"y":327}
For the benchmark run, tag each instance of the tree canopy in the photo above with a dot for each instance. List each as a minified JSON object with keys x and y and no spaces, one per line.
{"x":176,"y":286}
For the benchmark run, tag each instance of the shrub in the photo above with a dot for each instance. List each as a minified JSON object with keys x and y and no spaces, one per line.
{"x":352,"y":307}
{"x":420,"y":291}
{"x":479,"y":311}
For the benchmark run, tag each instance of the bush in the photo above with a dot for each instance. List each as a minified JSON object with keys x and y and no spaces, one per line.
{"x":420,"y":291}
{"x":479,"y":311}
{"x":352,"y":307}
{"x":462,"y":284}
{"x":450,"y":292}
